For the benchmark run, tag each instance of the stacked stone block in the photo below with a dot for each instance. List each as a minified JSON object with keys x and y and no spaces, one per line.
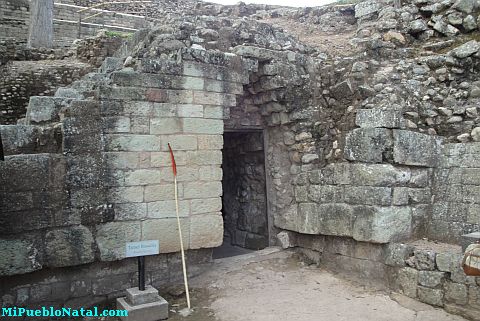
{"x":15,"y":17}
{"x":456,"y":207}
{"x":360,"y":200}
{"x":434,"y":276}
{"x":109,"y":180}
{"x":154,"y":110}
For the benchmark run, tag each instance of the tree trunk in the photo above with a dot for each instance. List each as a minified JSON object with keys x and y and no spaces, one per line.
{"x":41,"y":24}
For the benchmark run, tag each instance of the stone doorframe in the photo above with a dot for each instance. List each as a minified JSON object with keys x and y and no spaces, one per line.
{"x":272,"y":230}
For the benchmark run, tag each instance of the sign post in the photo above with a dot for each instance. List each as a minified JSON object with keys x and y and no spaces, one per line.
{"x":140,"y":250}
{"x":141,"y":273}
{"x":142,"y":303}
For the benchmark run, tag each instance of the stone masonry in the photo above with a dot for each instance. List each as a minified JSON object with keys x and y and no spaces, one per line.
{"x":364,"y":154}
{"x":244,"y":199}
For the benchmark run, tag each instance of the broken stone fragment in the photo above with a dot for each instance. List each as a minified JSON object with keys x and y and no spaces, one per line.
{"x":417,"y":26}
{"x":466,"y":6}
{"x":466,"y":50}
{"x":366,"y":8}
{"x":445,"y":28}
{"x":367,"y":144}
{"x":455,"y":18}
{"x":463,"y":138}
{"x":342,"y":90}
{"x":309,"y":158}
{"x":476,"y":134}
{"x":286,"y":239}
{"x":395,"y":37}
{"x":469,"y":23}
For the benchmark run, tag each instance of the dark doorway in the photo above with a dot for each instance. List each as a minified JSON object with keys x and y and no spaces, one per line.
{"x":244,"y":193}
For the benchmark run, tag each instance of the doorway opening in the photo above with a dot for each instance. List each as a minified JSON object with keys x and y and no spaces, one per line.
{"x":244,"y":207}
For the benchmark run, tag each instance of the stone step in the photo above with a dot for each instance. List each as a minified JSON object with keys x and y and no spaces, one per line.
{"x":29,"y":139}
{"x":111,"y":64}
{"x":68,"y":92}
{"x":45,"y":109}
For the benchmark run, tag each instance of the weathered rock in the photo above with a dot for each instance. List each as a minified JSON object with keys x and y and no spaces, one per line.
{"x":286,"y":239}
{"x":466,"y":6}
{"x":417,"y":26}
{"x":374,"y":118}
{"x":424,"y":259}
{"x":469,"y":23}
{"x":430,"y":296}
{"x":395,"y":37}
{"x":455,"y":18}
{"x":465,"y":50}
{"x":368,"y":144}
{"x":476,"y":134}
{"x":370,"y":224}
{"x":445,"y":28}
{"x":412,"y":148}
{"x":397,"y":253}
{"x":463,"y":138}
{"x":327,"y":219}
{"x":431,"y":279}
{"x":69,"y":246}
{"x":206,"y":231}
{"x":434,"y":7}
{"x":366,"y":8}
{"x":407,"y":281}
{"x":446,"y":261}
{"x":20,"y":256}
{"x":111,"y":238}
{"x":309,"y":158}
{"x":342,"y":90}
{"x":378,"y":175}
{"x":456,"y":293}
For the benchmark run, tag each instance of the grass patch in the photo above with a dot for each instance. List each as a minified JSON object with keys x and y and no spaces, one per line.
{"x":119,"y":34}
{"x":348,"y":1}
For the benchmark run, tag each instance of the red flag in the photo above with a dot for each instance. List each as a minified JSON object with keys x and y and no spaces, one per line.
{"x":174,"y":165}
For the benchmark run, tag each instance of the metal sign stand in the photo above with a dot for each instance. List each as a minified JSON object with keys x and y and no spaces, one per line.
{"x":143,"y":303}
{"x":141,"y":273}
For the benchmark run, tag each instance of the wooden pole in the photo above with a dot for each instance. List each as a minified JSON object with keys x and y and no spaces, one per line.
{"x":184,"y":265}
{"x":40,"y":32}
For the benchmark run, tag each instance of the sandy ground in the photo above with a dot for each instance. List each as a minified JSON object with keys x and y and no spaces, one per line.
{"x":275,"y":285}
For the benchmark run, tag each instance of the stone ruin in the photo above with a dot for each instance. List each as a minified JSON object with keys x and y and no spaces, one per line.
{"x":367,"y":161}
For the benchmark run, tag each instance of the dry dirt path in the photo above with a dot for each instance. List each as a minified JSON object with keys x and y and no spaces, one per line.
{"x":275,"y":285}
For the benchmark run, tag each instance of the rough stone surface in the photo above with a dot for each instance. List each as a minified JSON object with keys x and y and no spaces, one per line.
{"x":369,"y":138}
{"x":430,"y":296}
{"x":370,"y":222}
{"x":111,"y":239}
{"x":19,"y":256}
{"x":367,"y":144}
{"x":73,"y":246}
{"x":411,"y":148}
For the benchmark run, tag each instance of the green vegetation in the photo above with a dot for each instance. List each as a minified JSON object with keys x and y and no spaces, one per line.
{"x":126,"y":35}
{"x":348,"y":1}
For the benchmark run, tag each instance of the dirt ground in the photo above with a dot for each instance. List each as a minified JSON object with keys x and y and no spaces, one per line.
{"x":334,"y":43}
{"x":275,"y":285}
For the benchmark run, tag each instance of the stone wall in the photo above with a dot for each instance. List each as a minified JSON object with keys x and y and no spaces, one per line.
{"x":22,"y":79}
{"x":244,"y":200}
{"x":427,"y":271}
{"x":109,"y":179}
{"x":345,"y":162}
{"x":15,"y":15}
{"x":38,"y":71}
{"x":456,"y":208}
{"x":97,"y":283}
